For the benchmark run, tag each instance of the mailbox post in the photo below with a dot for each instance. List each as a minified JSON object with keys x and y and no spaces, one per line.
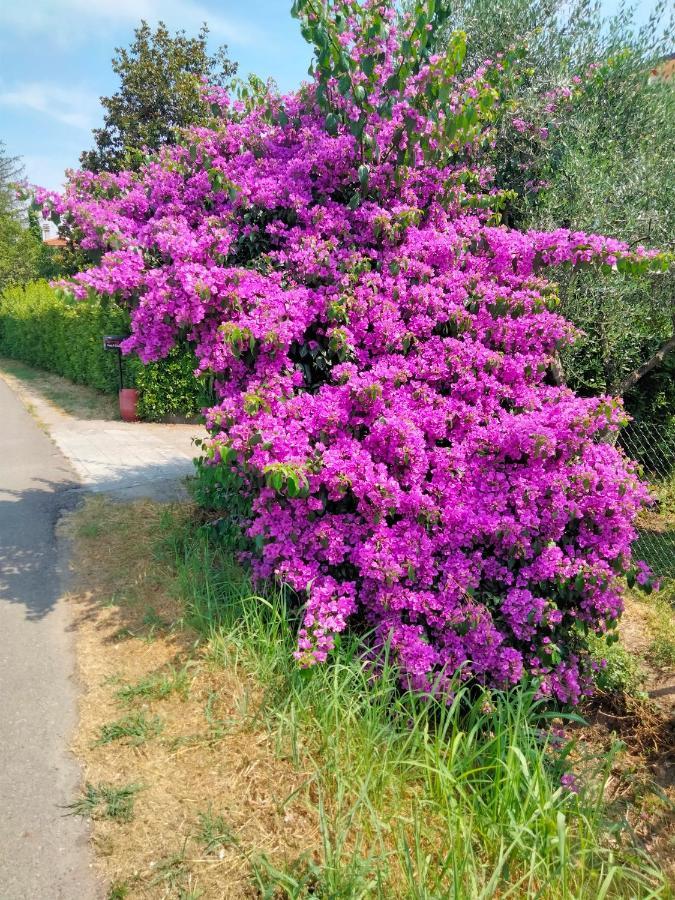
{"x":114,"y":342}
{"x":128,"y":396}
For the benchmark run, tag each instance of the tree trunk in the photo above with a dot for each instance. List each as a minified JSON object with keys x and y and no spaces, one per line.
{"x":646,"y":367}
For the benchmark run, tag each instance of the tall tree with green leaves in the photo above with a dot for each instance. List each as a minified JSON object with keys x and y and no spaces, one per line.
{"x":606,"y":165}
{"x":160,"y":76}
{"x":20,"y":248}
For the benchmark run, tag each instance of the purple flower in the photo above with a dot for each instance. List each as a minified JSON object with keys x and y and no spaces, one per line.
{"x":380,"y":366}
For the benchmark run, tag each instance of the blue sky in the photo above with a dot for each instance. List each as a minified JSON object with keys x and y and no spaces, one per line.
{"x":55,"y":63}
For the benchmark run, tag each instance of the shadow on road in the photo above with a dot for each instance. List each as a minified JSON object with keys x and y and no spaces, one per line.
{"x":32,"y":570}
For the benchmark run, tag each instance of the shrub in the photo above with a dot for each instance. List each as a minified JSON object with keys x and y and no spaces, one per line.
{"x":44,"y":329}
{"x":381,"y":349}
{"x":169,"y":388}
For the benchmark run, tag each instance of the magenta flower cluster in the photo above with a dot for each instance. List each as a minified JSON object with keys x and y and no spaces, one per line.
{"x":381,"y":348}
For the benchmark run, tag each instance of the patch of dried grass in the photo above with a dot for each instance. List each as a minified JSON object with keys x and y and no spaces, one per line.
{"x":209,"y":756}
{"x":77,"y":400}
{"x":637,"y":631}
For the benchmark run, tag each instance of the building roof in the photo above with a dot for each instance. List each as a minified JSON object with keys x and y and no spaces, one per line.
{"x":665,"y":68}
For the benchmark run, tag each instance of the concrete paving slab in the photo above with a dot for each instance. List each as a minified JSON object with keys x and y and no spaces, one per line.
{"x":118,"y":457}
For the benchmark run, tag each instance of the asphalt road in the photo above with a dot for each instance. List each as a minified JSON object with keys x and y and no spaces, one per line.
{"x":43,"y":853}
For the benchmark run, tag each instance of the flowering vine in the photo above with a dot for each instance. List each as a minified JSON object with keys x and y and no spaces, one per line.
{"x":381,"y":347}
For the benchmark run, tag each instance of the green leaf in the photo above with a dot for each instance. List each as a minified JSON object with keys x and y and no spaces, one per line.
{"x":292,"y":485}
{"x":356,"y":128}
{"x":331,"y":123}
{"x":368,"y":65}
{"x":364,"y":174}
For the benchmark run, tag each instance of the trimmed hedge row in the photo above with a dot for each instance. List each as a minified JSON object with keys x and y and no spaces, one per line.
{"x":65,"y":337}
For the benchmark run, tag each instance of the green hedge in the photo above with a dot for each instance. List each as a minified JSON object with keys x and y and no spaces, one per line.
{"x":65,"y":337}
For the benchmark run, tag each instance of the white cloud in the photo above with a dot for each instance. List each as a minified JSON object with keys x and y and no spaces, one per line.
{"x":45,"y":170}
{"x":66,"y":21}
{"x":75,"y":107}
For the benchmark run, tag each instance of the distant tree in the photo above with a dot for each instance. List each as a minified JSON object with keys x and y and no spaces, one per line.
{"x":11,"y":171}
{"x":20,"y":248}
{"x":159,"y":93}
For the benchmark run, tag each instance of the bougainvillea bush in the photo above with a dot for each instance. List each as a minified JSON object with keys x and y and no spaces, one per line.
{"x":381,"y":347}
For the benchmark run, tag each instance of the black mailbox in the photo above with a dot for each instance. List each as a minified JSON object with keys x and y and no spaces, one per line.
{"x":112,"y":341}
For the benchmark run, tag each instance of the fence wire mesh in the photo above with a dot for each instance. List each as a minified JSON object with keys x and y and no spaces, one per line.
{"x":654,"y":449}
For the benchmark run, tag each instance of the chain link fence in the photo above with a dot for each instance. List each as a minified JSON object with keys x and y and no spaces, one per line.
{"x":654,"y":449}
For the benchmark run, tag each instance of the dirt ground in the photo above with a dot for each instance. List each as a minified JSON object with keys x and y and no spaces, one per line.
{"x":210,"y":793}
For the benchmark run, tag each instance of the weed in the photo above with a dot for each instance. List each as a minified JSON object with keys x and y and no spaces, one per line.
{"x":106,"y":801}
{"x":118,"y":891}
{"x":172,"y":872}
{"x":154,"y":623}
{"x":662,"y":625}
{"x":157,"y":686}
{"x":214,"y":832}
{"x":662,"y":651}
{"x":90,"y":530}
{"x":618,"y":670}
{"x":347,"y":870}
{"x":136,"y":727}
{"x":122,"y":634}
{"x":188,"y":893}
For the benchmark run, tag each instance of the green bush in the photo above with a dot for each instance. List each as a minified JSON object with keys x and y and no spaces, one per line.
{"x":45,"y":331}
{"x":169,"y":387}
{"x":66,"y":337}
{"x":618,"y":669}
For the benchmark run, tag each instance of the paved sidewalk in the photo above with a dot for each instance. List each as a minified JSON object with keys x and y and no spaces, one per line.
{"x":127,"y":459}
{"x":44,"y":853}
{"x":133,"y":459}
{"x":47,"y":458}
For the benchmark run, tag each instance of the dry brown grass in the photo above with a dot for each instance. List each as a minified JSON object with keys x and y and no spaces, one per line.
{"x":209,"y":759}
{"x":642,"y":621}
{"x":75,"y":399}
{"x":214,"y":762}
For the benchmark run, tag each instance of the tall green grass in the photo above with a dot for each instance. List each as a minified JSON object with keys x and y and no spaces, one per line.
{"x":416,"y":798}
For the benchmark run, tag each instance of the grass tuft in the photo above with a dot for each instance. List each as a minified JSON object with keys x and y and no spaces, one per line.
{"x":106,"y":801}
{"x":214,"y":833}
{"x":157,"y":686}
{"x":136,"y":728}
{"x":118,"y":891}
